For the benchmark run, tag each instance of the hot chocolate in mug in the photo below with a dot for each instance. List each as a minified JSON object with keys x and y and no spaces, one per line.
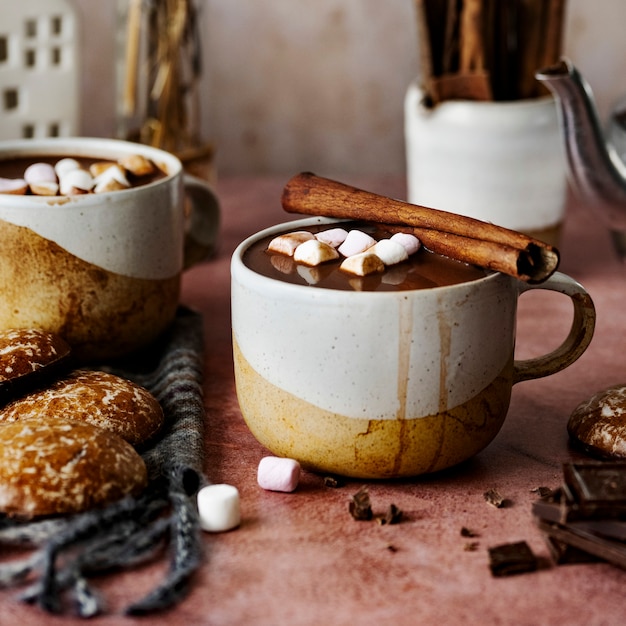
{"x":100,"y":269}
{"x":383,"y":384}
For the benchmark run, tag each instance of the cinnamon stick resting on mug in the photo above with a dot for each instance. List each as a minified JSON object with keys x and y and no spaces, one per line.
{"x":456,"y":236}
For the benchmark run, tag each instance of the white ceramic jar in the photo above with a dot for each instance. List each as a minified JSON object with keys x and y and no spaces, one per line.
{"x":499,"y":162}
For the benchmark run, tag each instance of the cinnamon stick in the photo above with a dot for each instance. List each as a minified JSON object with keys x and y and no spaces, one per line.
{"x":456,"y":236}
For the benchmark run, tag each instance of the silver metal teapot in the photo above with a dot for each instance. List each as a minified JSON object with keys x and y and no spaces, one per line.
{"x":597,"y":173}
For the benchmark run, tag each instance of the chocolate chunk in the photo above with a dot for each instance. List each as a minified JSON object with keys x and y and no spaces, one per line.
{"x":598,"y":489}
{"x":512,"y":558}
{"x":392,"y":516}
{"x":606,"y":549}
{"x":333,"y":482}
{"x":360,"y":506}
{"x":493,"y":497}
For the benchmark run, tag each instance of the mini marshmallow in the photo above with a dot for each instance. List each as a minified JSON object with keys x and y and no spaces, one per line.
{"x":333,"y":237}
{"x":389,"y":252}
{"x":136,"y":164}
{"x":64,"y":166}
{"x":45,"y":188}
{"x":99,"y":167}
{"x":314,"y":252}
{"x":356,"y":242}
{"x":410,"y":242}
{"x":287,"y":243}
{"x":112,"y":178}
{"x":219,"y":508}
{"x":362,"y":264}
{"x":278,"y":474}
{"x":15,"y":186}
{"x":40,"y":173}
{"x":75,"y":182}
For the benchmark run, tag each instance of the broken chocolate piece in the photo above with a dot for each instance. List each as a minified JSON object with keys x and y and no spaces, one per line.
{"x":542,"y":492}
{"x":606,"y":549}
{"x":392,"y":516}
{"x":599,"y":489}
{"x":512,"y":558}
{"x":332,"y":481}
{"x":360,"y":506}
{"x":495,"y":499}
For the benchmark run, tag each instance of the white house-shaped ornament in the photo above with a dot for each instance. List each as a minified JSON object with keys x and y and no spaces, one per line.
{"x":39,"y":90}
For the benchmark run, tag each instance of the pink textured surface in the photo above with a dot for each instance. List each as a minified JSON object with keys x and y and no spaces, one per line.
{"x":300,"y":559}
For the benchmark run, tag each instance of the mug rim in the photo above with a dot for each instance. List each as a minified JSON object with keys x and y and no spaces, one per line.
{"x":87,"y":147}
{"x":238,"y":267}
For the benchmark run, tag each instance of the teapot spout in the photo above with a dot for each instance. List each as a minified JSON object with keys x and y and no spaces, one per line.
{"x":597,"y":173}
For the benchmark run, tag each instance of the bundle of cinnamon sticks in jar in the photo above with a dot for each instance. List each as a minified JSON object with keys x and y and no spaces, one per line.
{"x":487,"y":49}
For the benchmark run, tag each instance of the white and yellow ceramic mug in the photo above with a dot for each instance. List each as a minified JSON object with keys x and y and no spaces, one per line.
{"x":101,"y":269}
{"x":384,"y":384}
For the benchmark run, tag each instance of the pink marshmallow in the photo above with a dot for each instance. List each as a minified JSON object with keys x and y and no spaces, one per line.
{"x":356,"y":242}
{"x":278,"y":474}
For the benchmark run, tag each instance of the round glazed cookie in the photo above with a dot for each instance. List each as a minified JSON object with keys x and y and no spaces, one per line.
{"x":27,"y":350}
{"x":58,"y":466}
{"x":599,"y":424}
{"x":96,"y":397}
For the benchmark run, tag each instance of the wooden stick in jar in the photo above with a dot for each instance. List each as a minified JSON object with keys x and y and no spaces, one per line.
{"x":456,"y":236}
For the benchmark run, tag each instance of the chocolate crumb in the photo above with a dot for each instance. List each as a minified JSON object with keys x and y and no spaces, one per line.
{"x":392,"y":516}
{"x":392,"y":548}
{"x":471,"y":546}
{"x":495,"y":499}
{"x":333,"y":482}
{"x":542,"y":492}
{"x":360,"y":506}
{"x":512,"y":558}
{"x":466,"y":532}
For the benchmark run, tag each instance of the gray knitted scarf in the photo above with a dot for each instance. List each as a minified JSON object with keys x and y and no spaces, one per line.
{"x":65,"y":552}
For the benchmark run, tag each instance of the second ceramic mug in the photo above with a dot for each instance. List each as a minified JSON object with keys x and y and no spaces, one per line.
{"x":384,"y":384}
{"x":101,"y":269}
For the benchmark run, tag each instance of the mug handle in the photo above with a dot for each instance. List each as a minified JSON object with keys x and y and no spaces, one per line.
{"x":580,"y":333}
{"x":203,"y":220}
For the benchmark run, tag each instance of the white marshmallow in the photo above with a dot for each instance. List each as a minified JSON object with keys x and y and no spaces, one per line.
{"x":333,"y":237}
{"x":111,"y":179}
{"x":356,"y":242}
{"x":410,"y":242}
{"x":389,"y":252}
{"x":65,"y":165}
{"x":45,"y":188}
{"x":16,"y":186}
{"x":40,"y":173}
{"x":75,"y":181}
{"x":278,"y":474}
{"x":137,"y":164}
{"x":287,"y":243}
{"x":219,"y":508}
{"x":362,"y":264}
{"x":314,"y":252}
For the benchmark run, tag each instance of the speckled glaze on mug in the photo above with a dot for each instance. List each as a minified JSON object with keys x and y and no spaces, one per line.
{"x":383,"y":384}
{"x":102,"y":270}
